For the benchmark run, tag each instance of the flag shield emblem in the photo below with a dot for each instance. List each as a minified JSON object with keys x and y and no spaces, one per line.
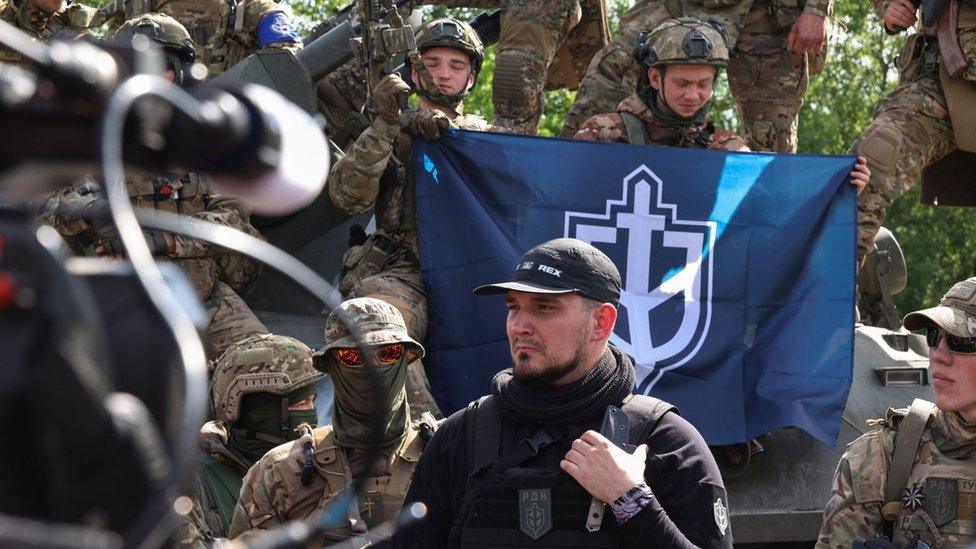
{"x":666,"y":265}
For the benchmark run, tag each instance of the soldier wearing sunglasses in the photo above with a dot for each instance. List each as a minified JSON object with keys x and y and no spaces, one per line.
{"x":297,"y":480}
{"x":913,"y":480}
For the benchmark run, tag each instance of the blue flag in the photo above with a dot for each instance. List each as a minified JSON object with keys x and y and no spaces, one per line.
{"x":738,"y":269}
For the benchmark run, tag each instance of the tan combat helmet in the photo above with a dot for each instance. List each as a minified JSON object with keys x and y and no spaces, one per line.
{"x":265,"y":363}
{"x":452,"y":33}
{"x":449,"y":33}
{"x":379,"y":324}
{"x":168,"y":33}
{"x":682,"y":41}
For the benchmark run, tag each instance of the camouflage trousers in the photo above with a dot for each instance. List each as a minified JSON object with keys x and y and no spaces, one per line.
{"x":231,"y":320}
{"x":398,"y":283}
{"x":531,"y":33}
{"x":911,"y":130}
{"x":767,"y":81}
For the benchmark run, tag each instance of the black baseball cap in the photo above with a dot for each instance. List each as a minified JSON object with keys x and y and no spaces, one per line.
{"x":563,"y":266}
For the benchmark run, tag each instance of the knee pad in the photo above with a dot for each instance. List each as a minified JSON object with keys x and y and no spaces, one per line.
{"x":880,"y":146}
{"x":519,"y":79}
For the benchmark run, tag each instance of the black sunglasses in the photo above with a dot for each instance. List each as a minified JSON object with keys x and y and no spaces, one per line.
{"x":956,"y":344}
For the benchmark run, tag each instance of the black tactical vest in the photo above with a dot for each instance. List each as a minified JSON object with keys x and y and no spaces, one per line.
{"x":509,"y":505}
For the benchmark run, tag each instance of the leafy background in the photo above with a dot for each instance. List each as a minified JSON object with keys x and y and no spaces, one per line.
{"x":938,"y":242}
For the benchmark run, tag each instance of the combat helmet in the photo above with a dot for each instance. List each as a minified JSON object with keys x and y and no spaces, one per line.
{"x":449,"y":33}
{"x":264,"y":363}
{"x":378,"y":322}
{"x":452,"y":33}
{"x":169,"y":33}
{"x":682,"y":41}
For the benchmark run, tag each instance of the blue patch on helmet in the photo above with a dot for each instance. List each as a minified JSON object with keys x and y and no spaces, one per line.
{"x":276,"y":27}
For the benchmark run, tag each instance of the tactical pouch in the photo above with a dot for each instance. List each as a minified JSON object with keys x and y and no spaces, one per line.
{"x":360,"y":262}
{"x":909,"y":62}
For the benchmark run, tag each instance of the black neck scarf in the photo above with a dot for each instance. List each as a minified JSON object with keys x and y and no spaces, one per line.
{"x":610,"y":381}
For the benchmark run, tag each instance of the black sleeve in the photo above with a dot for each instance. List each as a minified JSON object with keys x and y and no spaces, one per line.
{"x":690,"y":507}
{"x":438,"y":482}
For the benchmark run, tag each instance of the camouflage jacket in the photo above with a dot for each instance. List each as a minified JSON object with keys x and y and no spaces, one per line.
{"x":187,"y":194}
{"x":227,"y":31}
{"x":71,"y":21}
{"x":277,"y":489}
{"x":365,"y":177}
{"x":216,"y":487}
{"x":611,"y":127}
{"x":942,"y":481}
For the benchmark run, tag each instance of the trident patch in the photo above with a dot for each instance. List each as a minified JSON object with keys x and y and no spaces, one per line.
{"x":535,"y":512}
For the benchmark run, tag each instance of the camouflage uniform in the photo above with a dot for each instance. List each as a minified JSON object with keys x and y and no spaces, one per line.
{"x":376,"y":173}
{"x":259,"y":365}
{"x":71,"y":21}
{"x":297,"y":480}
{"x":635,"y":121}
{"x":273,"y":492}
{"x":911,"y":128}
{"x":225,"y":32}
{"x":946,"y":456}
{"x":915,"y":476}
{"x":215,"y":272}
{"x":766,"y":79}
{"x":611,"y":127}
{"x":532,"y":33}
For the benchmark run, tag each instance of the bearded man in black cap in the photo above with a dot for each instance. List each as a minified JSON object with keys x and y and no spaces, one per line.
{"x":528,"y":465}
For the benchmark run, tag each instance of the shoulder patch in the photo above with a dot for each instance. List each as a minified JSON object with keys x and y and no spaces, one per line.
{"x":276,"y":27}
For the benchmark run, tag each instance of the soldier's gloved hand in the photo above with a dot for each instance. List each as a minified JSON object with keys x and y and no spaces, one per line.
{"x":110,"y":243}
{"x":386,"y":97}
{"x":427,"y":123}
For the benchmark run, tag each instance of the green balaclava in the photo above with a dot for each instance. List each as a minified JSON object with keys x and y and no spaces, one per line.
{"x":369,"y":409}
{"x":265,"y":422}
{"x":370,"y":405}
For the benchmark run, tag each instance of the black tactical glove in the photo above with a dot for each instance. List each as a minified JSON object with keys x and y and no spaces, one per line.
{"x":111,"y":242}
{"x":386,"y":97}
{"x":427,"y":123}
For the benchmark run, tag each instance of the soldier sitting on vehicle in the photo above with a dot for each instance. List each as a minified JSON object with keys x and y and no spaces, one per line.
{"x":48,"y":19}
{"x":376,"y":174}
{"x":927,"y":120}
{"x":913,"y":479}
{"x":262,"y":391}
{"x":217,"y":274}
{"x":227,"y":32}
{"x":680,"y":59}
{"x":297,"y":480}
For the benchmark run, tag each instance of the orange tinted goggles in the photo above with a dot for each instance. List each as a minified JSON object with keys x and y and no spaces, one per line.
{"x":386,"y":355}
